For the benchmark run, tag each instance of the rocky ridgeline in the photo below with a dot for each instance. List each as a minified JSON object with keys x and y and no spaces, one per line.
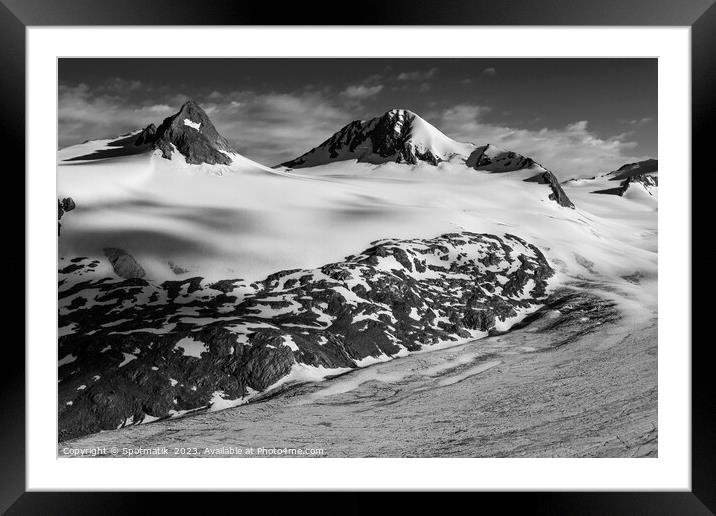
{"x":401,"y":136}
{"x":647,"y":181}
{"x":387,"y":138}
{"x":558,"y":195}
{"x":63,"y":206}
{"x":191,"y":133}
{"x":640,"y":168}
{"x":488,"y":158}
{"x":132,"y":351}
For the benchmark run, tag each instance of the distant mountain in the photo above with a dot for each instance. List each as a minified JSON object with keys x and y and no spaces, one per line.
{"x":401,"y":136}
{"x":648,"y":166}
{"x":398,"y":136}
{"x":643,"y":175}
{"x":189,"y":132}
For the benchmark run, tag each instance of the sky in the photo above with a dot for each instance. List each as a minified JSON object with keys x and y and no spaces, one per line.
{"x":577,"y":117}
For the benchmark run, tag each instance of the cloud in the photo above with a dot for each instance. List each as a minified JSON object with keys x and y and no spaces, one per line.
{"x":101,"y":113}
{"x":570,"y":151}
{"x":417,"y":75}
{"x":640,"y":121}
{"x":268,"y":127}
{"x":361,"y":91}
{"x":119,"y":85}
{"x":275,"y":127}
{"x":159,"y":108}
{"x":491,"y":71}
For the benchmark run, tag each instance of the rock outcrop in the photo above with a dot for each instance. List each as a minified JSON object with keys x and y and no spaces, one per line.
{"x":192,"y":134}
{"x":640,"y":168}
{"x":147,"y":136}
{"x":132,"y":351}
{"x":401,"y":136}
{"x":558,"y":195}
{"x":63,"y":206}
{"x":398,"y":136}
{"x":493,"y":159}
{"x":189,"y":132}
{"x":647,"y":181}
{"x":123,"y":263}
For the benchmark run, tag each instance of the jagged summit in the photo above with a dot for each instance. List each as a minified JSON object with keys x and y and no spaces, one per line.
{"x":399,"y":136}
{"x":191,"y":132}
{"x":641,"y":175}
{"x":402,"y":136}
{"x":640,"y":168}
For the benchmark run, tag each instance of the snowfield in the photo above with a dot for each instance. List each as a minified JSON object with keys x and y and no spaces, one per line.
{"x":246,"y":220}
{"x":230,"y":282}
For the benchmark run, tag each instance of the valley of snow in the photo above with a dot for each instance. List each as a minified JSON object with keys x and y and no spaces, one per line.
{"x":247,"y":221}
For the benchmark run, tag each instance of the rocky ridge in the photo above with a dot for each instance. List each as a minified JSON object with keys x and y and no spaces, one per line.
{"x":133,"y":351}
{"x":391,"y":137}
{"x":558,"y":194}
{"x":192,"y":134}
{"x":401,"y":136}
{"x":640,"y":168}
{"x":63,"y":206}
{"x":189,"y":132}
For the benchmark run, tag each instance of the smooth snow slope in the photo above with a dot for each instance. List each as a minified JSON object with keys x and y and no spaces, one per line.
{"x":246,"y":220}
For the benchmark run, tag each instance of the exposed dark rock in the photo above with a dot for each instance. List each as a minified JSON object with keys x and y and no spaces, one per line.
{"x":132,"y":349}
{"x":123,"y":263}
{"x":558,"y":195}
{"x":63,"y":206}
{"x":147,"y":136}
{"x":506,"y":161}
{"x":191,"y":132}
{"x":177,"y":269}
{"x":646,"y":180}
{"x":125,"y":145}
{"x":649,"y":166}
{"x":383,"y":139}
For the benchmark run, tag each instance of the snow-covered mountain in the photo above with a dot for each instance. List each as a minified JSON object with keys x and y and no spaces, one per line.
{"x":638,"y":180}
{"x":398,"y":136}
{"x":403,"y":137}
{"x":188,"y":280}
{"x":640,"y":168}
{"x":189,"y":132}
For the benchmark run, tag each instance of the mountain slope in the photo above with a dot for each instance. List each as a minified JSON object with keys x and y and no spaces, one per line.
{"x":640,"y":168}
{"x":398,"y":136}
{"x":188,"y":132}
{"x":191,"y":133}
{"x":401,"y":136}
{"x":638,"y":180}
{"x":133,"y":351}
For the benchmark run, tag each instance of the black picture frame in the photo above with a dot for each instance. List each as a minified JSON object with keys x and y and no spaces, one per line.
{"x":17,"y":15}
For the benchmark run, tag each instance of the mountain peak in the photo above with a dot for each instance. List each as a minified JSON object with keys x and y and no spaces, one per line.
{"x":398,"y":135}
{"x":191,"y":132}
{"x":190,"y":103}
{"x":639,"y":168}
{"x":191,"y":108}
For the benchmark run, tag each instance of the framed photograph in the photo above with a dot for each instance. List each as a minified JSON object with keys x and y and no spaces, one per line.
{"x":427,"y":251}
